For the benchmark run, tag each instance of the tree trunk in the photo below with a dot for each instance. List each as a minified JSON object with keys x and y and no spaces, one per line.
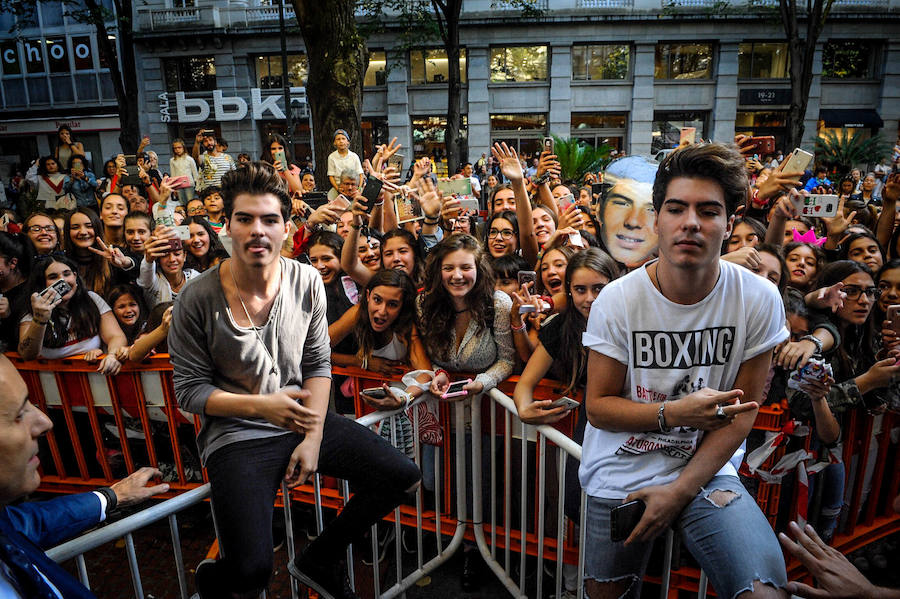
{"x":337,"y":57}
{"x":802,"y":51}
{"x":448,"y":19}
{"x":126,"y":87}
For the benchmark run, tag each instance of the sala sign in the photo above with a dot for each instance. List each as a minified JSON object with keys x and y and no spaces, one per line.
{"x":224,"y":108}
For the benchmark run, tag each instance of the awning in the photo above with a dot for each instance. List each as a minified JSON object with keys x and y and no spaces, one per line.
{"x":862,"y":118}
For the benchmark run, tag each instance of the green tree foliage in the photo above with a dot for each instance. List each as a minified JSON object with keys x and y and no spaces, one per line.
{"x":577,"y":158}
{"x":841,"y":150}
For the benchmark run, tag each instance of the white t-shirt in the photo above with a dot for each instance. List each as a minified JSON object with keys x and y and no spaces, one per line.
{"x":672,"y":350}
{"x":74,"y":346}
{"x":337,"y":164}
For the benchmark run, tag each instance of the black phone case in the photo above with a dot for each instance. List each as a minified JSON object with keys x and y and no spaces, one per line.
{"x":623,"y":519}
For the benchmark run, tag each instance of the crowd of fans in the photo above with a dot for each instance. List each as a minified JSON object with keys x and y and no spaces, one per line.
{"x":501,"y":291}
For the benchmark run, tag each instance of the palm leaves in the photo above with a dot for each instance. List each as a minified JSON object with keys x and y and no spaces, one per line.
{"x":841,"y":150}
{"x":576,"y":158}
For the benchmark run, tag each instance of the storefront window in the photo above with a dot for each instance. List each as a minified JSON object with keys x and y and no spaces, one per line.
{"x":763,"y":61}
{"x":428,"y":139}
{"x":599,"y":128}
{"x":189,"y":74}
{"x":268,"y":71}
{"x":9,"y":52}
{"x":431,"y":66}
{"x":519,"y":64}
{"x":57,"y":55}
{"x":667,"y":128}
{"x":683,"y":61}
{"x":375,"y":72}
{"x":607,"y":61}
{"x":848,"y":59}
{"x":760,"y":123}
{"x":520,"y":131}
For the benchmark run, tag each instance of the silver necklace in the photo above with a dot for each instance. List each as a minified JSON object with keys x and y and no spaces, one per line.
{"x":253,"y":326}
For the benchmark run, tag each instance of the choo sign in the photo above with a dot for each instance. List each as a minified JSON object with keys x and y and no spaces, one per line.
{"x":226,"y":108}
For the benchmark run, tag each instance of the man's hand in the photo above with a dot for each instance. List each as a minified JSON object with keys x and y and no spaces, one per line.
{"x":698,"y":409}
{"x":303,"y":463}
{"x":664,"y":503}
{"x":836,"y":576}
{"x":134,"y":489}
{"x":284,"y":409}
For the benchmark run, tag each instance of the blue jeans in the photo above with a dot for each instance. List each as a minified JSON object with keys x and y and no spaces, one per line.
{"x":734,"y":543}
{"x":246,"y":475}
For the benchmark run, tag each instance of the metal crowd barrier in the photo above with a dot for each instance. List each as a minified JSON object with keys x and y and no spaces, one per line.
{"x":520,"y":526}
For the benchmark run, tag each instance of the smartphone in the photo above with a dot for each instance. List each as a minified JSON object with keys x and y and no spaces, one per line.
{"x":175,"y":244}
{"x":623,"y":519}
{"x":893,"y":314}
{"x":59,"y":287}
{"x":820,"y":205}
{"x":375,"y":392}
{"x":469,"y":204}
{"x":547,"y":144}
{"x":315,"y":199}
{"x":798,"y":161}
{"x":456,"y":389}
{"x":130,"y":160}
{"x":575,"y":240}
{"x":341,"y":202}
{"x":567,"y":402}
{"x":396,"y":161}
{"x":596,"y":192}
{"x":183,"y":232}
{"x":278,"y":156}
{"x":371,"y":192}
{"x":181,"y":182}
{"x":526,"y":276}
{"x":565,"y":201}
{"x":765,"y":144}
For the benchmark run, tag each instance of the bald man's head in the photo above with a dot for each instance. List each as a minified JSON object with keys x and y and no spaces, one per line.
{"x":21,"y":425}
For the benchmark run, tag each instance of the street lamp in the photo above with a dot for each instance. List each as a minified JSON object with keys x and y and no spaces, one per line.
{"x":285,"y":80}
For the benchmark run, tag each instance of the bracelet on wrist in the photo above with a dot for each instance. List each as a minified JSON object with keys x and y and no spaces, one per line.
{"x":439,"y":371}
{"x":815,"y":341}
{"x":517,"y":329}
{"x":425,"y":221}
{"x":661,"y":418}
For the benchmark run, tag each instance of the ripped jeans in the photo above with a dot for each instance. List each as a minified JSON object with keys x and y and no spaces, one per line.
{"x":733,"y":543}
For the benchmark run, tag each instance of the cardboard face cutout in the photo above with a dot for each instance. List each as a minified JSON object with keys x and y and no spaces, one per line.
{"x":626,"y":211}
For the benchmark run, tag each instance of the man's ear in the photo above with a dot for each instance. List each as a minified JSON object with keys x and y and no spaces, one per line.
{"x":730,"y":227}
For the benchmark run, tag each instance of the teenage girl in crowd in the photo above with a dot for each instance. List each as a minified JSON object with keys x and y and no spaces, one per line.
{"x":204,"y":248}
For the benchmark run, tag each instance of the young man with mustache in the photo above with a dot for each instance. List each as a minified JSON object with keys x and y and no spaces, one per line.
{"x":679,"y":351}
{"x":251,"y":354}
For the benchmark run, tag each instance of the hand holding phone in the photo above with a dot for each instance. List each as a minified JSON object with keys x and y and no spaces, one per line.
{"x":624,"y":518}
{"x":565,"y":402}
{"x":456,"y":389}
{"x":527,"y":277}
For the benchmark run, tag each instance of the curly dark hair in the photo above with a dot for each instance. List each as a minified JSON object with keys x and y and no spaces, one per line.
{"x":438,"y":314}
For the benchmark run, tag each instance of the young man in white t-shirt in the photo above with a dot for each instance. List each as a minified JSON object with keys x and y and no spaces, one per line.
{"x":679,"y":352}
{"x":343,"y":159}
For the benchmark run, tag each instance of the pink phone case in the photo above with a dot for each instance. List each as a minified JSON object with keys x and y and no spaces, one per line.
{"x":457,"y":393}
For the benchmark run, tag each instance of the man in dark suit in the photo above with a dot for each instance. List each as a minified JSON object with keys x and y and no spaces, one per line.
{"x":29,"y":528}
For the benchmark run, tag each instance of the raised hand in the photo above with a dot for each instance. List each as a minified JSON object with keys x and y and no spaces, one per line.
{"x":113,"y":255}
{"x":508,"y":160}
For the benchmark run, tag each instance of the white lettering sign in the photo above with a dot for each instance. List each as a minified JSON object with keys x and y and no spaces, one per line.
{"x":227,"y":108}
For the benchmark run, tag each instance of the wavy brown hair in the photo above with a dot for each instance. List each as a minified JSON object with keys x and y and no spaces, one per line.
{"x":437,"y":311}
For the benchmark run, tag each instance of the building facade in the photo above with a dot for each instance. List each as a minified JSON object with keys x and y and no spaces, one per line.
{"x":53,"y":74}
{"x":629,"y":73}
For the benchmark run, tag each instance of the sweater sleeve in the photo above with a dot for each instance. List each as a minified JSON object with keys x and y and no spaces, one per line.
{"x":503,"y":365}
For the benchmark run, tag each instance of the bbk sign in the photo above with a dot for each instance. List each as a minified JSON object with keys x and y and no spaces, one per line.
{"x":225,"y":108}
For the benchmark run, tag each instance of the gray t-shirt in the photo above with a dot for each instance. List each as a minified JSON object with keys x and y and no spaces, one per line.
{"x":209,"y":351}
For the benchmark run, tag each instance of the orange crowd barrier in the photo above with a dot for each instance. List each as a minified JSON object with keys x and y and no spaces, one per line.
{"x":108,"y":426}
